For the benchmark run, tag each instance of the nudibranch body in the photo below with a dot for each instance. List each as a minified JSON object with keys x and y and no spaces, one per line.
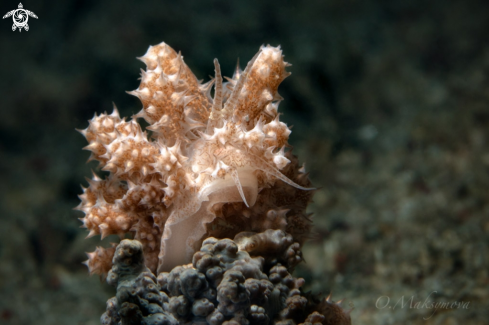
{"x":213,"y":165}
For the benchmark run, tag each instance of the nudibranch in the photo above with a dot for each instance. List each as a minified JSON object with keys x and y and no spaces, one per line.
{"x":207,"y":164}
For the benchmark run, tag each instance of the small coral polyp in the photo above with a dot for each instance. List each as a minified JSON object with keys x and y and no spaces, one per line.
{"x":209,"y":165}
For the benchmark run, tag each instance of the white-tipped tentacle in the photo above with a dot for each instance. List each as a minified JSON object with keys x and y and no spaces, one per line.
{"x":214,"y":117}
{"x":269,"y":169}
{"x":234,"y":174}
{"x":231,"y":102}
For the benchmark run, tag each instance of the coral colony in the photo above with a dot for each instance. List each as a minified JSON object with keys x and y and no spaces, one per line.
{"x":213,"y":203}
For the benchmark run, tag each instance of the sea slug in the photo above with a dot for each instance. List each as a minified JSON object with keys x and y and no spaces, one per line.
{"x":207,"y":165}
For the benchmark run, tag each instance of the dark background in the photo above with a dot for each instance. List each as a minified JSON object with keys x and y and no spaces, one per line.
{"x":390,"y":106}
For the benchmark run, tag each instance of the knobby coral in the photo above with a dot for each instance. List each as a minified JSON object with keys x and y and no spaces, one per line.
{"x":224,"y":284}
{"x":210,"y":165}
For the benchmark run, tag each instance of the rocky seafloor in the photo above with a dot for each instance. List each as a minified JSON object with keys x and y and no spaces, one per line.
{"x":389,"y":102}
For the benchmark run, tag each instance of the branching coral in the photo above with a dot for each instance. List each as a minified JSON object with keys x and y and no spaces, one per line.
{"x":211,"y":165}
